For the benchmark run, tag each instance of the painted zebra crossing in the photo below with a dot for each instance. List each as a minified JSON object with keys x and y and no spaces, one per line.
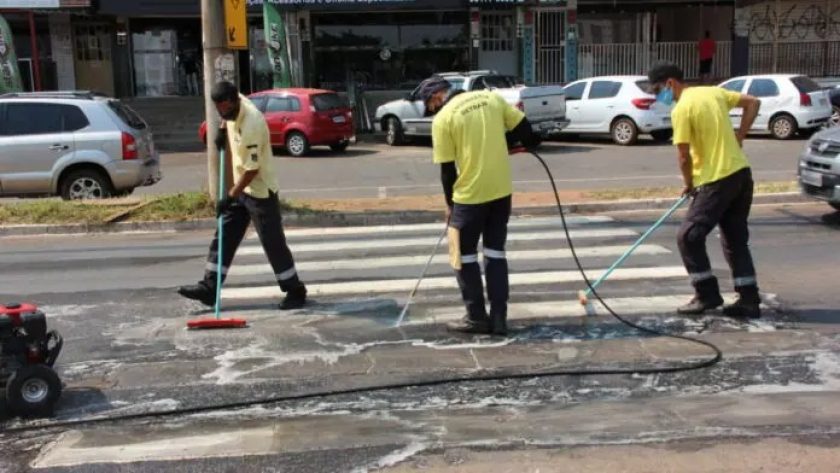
{"x":366,"y":266}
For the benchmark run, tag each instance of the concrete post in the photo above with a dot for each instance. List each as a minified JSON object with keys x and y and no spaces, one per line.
{"x":215,"y":46}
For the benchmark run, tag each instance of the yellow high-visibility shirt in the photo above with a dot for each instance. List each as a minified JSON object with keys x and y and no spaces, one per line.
{"x":701,"y":120}
{"x":470,"y":131}
{"x":250,"y":146}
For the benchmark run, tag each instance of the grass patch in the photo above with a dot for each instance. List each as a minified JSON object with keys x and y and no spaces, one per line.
{"x":174,"y":208}
{"x":669,"y":192}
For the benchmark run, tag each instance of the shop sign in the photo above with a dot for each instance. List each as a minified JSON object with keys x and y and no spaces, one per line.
{"x":236,"y":24}
{"x":29,"y":4}
{"x":9,"y":73}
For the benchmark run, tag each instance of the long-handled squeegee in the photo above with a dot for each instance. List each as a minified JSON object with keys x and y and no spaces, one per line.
{"x":218,"y":321}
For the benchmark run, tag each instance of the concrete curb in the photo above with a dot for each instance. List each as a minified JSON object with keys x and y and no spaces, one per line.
{"x":368,"y":218}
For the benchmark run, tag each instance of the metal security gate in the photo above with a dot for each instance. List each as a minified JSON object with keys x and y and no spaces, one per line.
{"x":551,"y":45}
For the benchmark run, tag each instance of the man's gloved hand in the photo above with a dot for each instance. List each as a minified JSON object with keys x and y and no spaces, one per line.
{"x":221,"y":138}
{"x":224,"y":205}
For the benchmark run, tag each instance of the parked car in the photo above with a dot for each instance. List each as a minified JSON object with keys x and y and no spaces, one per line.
{"x":299,"y":119}
{"x":619,"y":106}
{"x":819,"y":167}
{"x":78,"y":145}
{"x":545,"y":106}
{"x":790,"y":104}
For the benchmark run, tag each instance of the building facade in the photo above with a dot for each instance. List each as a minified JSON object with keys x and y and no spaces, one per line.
{"x":152,"y":48}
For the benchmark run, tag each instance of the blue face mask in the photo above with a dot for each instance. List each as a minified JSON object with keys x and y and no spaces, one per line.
{"x":665,"y":96}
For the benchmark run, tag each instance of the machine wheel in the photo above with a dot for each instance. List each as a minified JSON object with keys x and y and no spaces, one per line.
{"x":297,"y":144}
{"x":33,"y":390}
{"x":662,"y":136}
{"x":340,"y":147}
{"x":85,"y":184}
{"x":783,"y":127}
{"x":393,"y":132}
{"x":624,"y":132}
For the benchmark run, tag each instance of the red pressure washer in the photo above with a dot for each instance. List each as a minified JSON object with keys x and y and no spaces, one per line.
{"x":27,"y":354}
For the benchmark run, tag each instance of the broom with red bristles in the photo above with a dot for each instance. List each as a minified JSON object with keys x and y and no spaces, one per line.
{"x":218,"y":321}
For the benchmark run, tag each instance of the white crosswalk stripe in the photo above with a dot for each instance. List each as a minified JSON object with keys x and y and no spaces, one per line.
{"x":382,"y":243}
{"x":441,"y":258}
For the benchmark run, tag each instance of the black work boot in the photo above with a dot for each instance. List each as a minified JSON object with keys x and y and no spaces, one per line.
{"x":201,"y":292}
{"x":707,"y":297}
{"x":295,"y":298}
{"x":498,"y":321}
{"x":471,"y":325}
{"x":747,"y":306}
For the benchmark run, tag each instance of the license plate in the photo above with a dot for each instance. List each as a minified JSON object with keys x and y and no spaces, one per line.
{"x":811,"y":178}
{"x":339,"y":119}
{"x":547,"y":126}
{"x":823,"y":102}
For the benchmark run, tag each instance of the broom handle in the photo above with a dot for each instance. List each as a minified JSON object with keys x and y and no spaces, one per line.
{"x":641,"y":239}
{"x":220,"y":231}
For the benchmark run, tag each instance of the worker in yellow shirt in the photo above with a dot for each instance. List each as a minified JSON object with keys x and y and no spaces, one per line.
{"x":717,"y":175}
{"x":253,"y":198}
{"x":469,"y":141}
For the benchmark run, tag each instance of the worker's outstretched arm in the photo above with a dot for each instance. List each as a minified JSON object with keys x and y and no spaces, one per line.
{"x":751,"y":105}
{"x":448,"y":176}
{"x":524,"y":133}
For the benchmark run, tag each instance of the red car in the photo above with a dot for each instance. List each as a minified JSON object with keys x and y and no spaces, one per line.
{"x":301,"y":118}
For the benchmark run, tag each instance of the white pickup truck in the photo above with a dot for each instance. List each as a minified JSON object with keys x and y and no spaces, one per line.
{"x":544,"y":106}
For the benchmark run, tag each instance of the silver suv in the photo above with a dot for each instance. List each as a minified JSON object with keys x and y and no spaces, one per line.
{"x":78,"y":145}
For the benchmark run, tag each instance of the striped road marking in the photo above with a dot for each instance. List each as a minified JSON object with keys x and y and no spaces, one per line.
{"x":565,"y":308}
{"x":255,"y":249}
{"x":448,"y":282}
{"x":438,"y":226}
{"x":411,"y":261}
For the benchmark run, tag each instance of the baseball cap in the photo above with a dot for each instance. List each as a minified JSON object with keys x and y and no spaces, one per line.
{"x":432,"y":86}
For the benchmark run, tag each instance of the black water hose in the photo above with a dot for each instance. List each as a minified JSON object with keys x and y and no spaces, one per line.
{"x":480,"y":377}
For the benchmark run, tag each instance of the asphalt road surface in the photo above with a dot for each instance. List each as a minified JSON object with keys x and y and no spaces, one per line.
{"x":376,"y":170}
{"x":770,"y":405}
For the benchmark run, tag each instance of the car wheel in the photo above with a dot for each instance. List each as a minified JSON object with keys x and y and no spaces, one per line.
{"x":835,"y":205}
{"x":296,"y":144}
{"x":662,"y":136}
{"x":85,"y":184}
{"x":33,"y":390}
{"x":783,"y":127}
{"x":340,"y":147}
{"x":835,"y":116}
{"x":624,"y":132}
{"x":393,"y":132}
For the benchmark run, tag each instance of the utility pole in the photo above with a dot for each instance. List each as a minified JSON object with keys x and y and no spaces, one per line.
{"x":215,"y":45}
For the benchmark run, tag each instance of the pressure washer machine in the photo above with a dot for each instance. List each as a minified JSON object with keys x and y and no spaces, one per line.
{"x":28,"y":352}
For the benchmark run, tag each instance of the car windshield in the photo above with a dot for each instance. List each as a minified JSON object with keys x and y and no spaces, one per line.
{"x":497,"y":82}
{"x":326,"y":102}
{"x":805,"y":85}
{"x":457,"y":84}
{"x":127,"y":115}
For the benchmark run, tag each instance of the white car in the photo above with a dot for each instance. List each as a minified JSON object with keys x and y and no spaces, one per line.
{"x":789,"y":103}
{"x":544,"y":106}
{"x":617,"y":105}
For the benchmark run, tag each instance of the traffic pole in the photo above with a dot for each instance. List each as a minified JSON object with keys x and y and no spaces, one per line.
{"x":215,"y":45}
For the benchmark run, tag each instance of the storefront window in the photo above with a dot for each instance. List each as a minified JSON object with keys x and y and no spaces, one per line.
{"x":167,"y":57}
{"x":379,"y":51}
